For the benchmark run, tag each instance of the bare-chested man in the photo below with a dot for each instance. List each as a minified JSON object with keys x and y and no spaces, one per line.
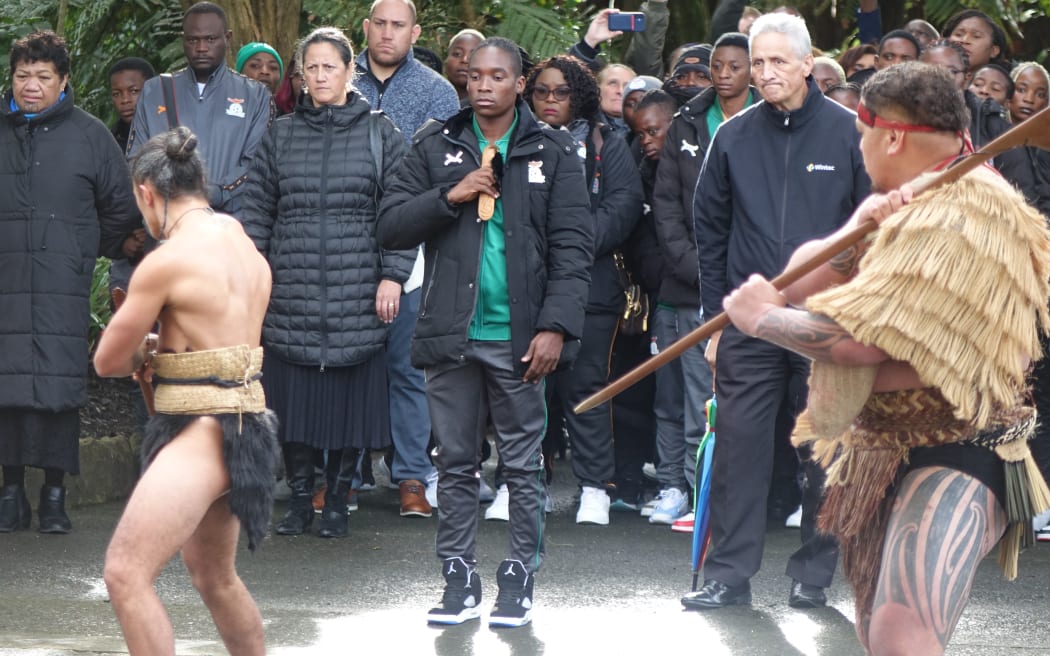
{"x":211,"y":446}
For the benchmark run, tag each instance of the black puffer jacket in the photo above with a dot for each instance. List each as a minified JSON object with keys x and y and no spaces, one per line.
{"x":65,"y":198}
{"x":310,"y":207}
{"x":547,"y":224}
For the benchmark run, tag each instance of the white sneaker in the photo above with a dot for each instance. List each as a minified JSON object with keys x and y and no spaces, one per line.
{"x":671,"y":504}
{"x":499,"y":509}
{"x":649,"y":470}
{"x":1041,"y":520}
{"x":794,"y":520}
{"x":594,"y":507}
{"x":431,"y":492}
{"x":684,"y":524}
{"x":650,"y":506}
{"x":485,"y":494}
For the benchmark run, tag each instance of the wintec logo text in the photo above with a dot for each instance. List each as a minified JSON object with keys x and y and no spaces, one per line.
{"x":820,"y":167}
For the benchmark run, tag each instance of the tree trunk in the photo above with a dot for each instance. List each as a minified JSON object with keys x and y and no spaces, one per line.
{"x":60,"y":22}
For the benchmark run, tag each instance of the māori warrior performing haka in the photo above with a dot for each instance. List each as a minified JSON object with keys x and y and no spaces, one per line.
{"x":921,"y":339}
{"x":210,"y":450}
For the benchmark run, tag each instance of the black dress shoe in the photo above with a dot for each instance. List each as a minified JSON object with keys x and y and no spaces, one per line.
{"x":804,"y":595}
{"x":716,"y":594}
{"x":52,"y":510}
{"x":14,"y":508}
{"x":335,"y":518}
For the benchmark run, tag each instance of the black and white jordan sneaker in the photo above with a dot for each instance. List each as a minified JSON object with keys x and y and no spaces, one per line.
{"x":514,"y":601}
{"x":462,"y":596}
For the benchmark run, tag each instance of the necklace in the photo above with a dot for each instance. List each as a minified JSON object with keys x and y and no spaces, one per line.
{"x":175,"y":224}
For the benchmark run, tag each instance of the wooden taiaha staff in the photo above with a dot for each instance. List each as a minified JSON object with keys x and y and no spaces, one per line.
{"x":1033,"y":132}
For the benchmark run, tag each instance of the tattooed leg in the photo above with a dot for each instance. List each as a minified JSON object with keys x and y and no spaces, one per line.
{"x":943,"y":523}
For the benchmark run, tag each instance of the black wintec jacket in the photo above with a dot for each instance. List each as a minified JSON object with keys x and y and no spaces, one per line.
{"x":547,"y":224}
{"x":772,"y":181}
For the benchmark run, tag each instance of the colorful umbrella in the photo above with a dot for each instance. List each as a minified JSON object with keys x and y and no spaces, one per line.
{"x":702,"y":493}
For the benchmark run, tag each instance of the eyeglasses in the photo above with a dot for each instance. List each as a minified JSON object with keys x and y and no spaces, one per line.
{"x":543,"y":93}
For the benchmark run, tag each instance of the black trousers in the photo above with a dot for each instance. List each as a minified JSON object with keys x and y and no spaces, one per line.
{"x":753,"y":379}
{"x":590,"y":432}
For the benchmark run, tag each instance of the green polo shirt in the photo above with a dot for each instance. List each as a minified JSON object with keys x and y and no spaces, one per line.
{"x":491,"y":320}
{"x":714,"y":114}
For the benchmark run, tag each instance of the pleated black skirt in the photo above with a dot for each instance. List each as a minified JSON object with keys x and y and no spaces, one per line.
{"x":37,"y":438}
{"x":344,"y":407}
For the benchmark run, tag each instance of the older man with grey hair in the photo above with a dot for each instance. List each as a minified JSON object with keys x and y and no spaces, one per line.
{"x":782,"y":172}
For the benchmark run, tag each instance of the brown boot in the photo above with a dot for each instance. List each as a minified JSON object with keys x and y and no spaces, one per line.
{"x":414,"y":500}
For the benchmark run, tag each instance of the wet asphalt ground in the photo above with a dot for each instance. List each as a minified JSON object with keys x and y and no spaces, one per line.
{"x":610,"y":590}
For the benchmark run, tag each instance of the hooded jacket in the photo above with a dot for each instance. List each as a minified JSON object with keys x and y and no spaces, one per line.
{"x":547,"y":225}
{"x":310,"y":206}
{"x":65,"y":199}
{"x":771,"y":181}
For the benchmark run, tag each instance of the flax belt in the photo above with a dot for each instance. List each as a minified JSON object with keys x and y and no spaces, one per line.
{"x":217,"y":381}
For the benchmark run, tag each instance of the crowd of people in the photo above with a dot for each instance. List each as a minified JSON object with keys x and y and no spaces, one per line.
{"x":460,"y":251}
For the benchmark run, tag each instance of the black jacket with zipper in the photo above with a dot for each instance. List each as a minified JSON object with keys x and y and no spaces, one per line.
{"x":310,"y":207}
{"x":772,"y":181}
{"x":680,"y":160}
{"x":547,"y":225}
{"x":616,"y":202}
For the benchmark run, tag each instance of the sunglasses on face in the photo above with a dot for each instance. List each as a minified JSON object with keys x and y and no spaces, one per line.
{"x":543,"y":93}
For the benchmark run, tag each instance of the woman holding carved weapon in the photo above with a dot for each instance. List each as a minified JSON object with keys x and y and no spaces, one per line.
{"x":564,"y":94}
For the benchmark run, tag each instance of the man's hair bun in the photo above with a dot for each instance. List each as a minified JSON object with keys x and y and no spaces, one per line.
{"x":180,"y":144}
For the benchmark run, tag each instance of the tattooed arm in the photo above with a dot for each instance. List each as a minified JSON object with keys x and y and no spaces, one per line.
{"x":759,"y":310}
{"x":843,"y":266}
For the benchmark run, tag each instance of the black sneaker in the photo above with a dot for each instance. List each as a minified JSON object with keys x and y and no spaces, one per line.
{"x":514,"y":602}
{"x":462,"y":594}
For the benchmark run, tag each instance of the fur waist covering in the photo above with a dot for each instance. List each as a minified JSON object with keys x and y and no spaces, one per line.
{"x":222,"y":384}
{"x":250,"y":452}
{"x":956,"y":285}
{"x":209,"y":382}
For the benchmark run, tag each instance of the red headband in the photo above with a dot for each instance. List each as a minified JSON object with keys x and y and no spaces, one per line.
{"x":867,"y":117}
